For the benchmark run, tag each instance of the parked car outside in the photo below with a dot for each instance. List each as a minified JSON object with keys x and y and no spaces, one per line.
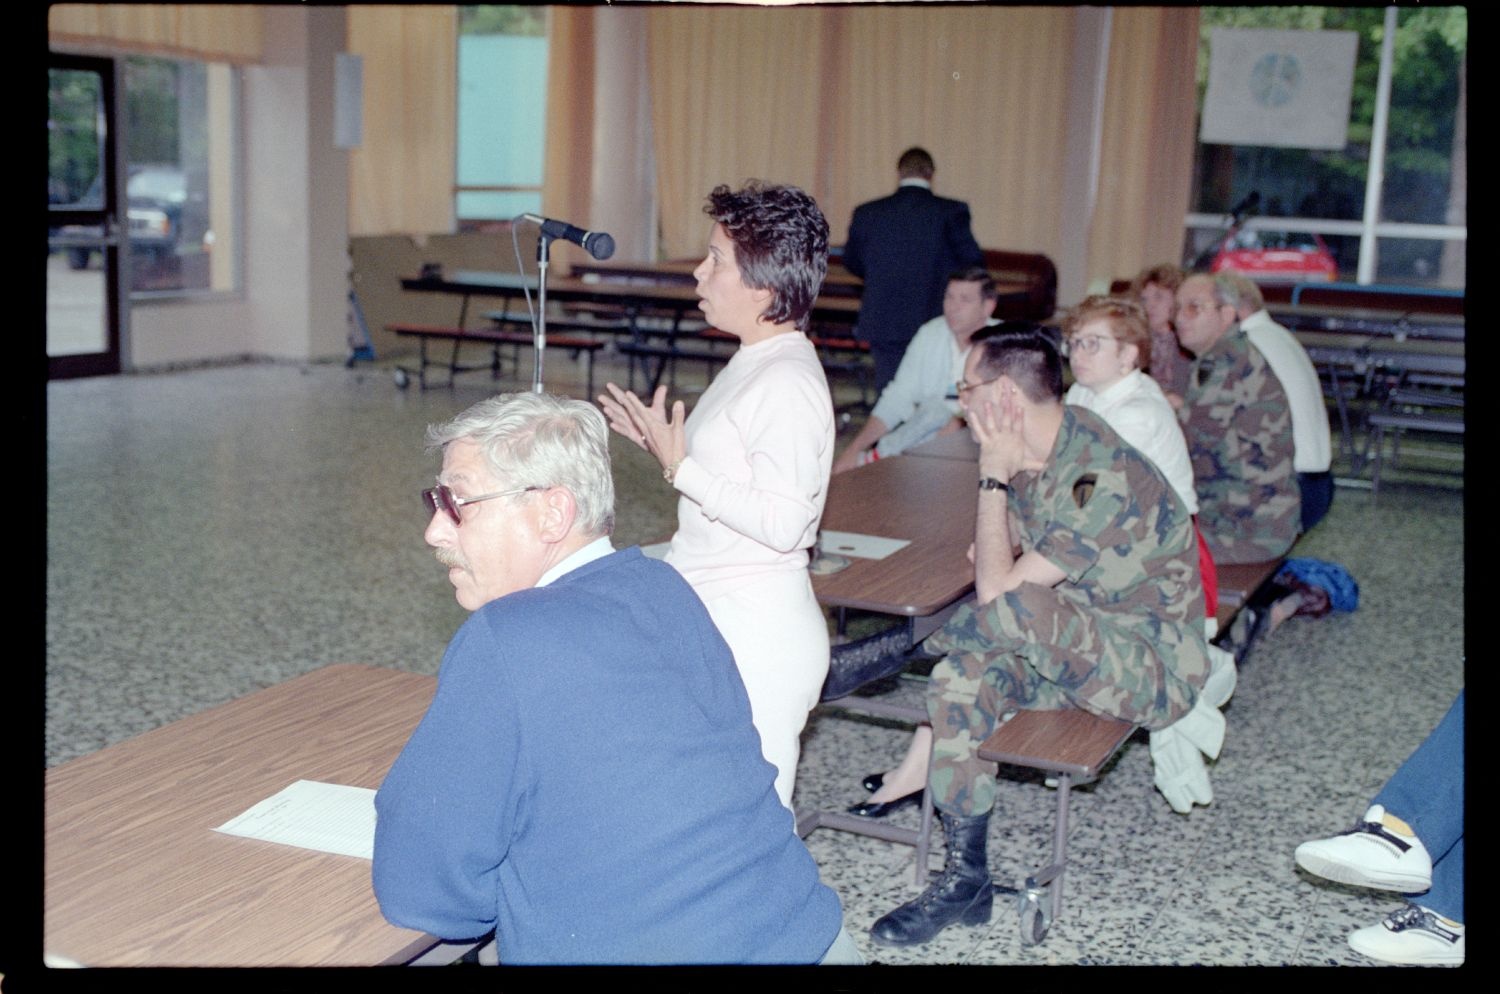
{"x":156,"y":196}
{"x":1277,"y":256}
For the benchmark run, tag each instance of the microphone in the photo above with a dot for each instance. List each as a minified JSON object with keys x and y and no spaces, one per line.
{"x":596,"y":243}
{"x":1250,"y":202}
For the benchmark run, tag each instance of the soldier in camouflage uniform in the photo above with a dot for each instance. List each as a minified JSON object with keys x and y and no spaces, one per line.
{"x":1103,"y":609}
{"x":1238,"y":425}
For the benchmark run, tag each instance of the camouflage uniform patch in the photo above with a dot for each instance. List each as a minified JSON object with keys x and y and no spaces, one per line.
{"x":1122,"y":635}
{"x":1238,"y":426}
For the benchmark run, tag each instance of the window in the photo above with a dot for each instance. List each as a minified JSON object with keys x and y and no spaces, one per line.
{"x":502,"y":102}
{"x":180,"y":176}
{"x":1416,"y":232}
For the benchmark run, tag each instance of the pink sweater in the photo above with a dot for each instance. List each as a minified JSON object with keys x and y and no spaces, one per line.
{"x":760,"y":444}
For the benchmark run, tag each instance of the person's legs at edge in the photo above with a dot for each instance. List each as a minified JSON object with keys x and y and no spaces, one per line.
{"x":910,"y":775}
{"x":1427,"y":793}
{"x":1411,"y":834}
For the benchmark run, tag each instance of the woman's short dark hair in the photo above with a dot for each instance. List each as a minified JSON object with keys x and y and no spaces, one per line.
{"x":1166,"y":275}
{"x":1026,"y":353}
{"x":780,"y":244}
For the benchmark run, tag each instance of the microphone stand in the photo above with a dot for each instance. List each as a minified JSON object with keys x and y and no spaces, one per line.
{"x":539,"y":328}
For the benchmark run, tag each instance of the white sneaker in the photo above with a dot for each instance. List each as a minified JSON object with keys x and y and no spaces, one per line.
{"x":1411,"y":935}
{"x":1370,"y":855}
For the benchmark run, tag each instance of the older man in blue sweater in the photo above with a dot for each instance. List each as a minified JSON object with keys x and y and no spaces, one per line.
{"x":587,"y":781}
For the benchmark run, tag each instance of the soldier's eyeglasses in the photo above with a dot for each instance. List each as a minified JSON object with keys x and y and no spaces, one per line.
{"x":442,"y":498}
{"x":963,"y":387}
{"x":1195,"y":307}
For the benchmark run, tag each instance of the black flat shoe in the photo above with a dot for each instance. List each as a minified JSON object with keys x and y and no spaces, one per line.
{"x":873,"y":782}
{"x":879,"y":809}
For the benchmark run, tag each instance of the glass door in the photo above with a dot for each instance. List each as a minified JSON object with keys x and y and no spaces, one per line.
{"x":83,"y":230}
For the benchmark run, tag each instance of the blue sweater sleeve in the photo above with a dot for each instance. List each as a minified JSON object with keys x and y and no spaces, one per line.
{"x":443,"y":827}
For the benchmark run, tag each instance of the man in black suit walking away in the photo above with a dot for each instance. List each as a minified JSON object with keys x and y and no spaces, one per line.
{"x":903,"y":247}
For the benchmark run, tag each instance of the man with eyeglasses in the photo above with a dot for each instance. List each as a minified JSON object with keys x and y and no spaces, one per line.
{"x":1238,"y":426}
{"x":1102,"y":609}
{"x":1312,"y":441}
{"x":920,"y":402}
{"x":587,"y":782}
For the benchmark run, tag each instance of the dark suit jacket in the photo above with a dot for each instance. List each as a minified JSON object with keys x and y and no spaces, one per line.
{"x":904,"y":246}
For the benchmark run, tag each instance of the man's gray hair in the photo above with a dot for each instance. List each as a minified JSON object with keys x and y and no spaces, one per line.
{"x":540,"y":440}
{"x":1226,"y":288}
{"x":1251,"y":299}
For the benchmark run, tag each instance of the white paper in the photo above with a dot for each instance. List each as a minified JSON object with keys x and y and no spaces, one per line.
{"x":328,"y":817}
{"x":860,"y":546}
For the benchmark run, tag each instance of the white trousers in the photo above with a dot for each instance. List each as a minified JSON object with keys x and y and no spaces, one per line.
{"x":779,"y":638}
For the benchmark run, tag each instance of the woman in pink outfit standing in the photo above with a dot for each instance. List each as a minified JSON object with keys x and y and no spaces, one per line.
{"x":751,"y":463}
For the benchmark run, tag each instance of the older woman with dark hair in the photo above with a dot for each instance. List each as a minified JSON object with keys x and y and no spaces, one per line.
{"x":752,"y":461}
{"x":1155,"y":287}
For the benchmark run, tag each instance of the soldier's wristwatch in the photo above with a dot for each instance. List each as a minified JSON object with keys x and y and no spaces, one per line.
{"x":990,"y":483}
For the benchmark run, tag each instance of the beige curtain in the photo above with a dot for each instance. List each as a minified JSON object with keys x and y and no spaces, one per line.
{"x":985,"y":91}
{"x":735,"y":95}
{"x":225,"y":33}
{"x":569,"y":154}
{"x":1148,"y":141}
{"x":828,"y":99}
{"x":402,"y":175}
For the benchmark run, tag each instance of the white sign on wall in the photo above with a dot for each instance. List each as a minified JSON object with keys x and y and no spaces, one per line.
{"x":1285,"y":88}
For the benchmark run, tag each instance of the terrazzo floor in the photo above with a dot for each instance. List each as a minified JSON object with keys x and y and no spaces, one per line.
{"x":216,"y":531}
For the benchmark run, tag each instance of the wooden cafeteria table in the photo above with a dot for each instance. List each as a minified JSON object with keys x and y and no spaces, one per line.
{"x":839,"y":282}
{"x":1363,"y":353}
{"x":630,"y":297}
{"x":1369,"y":321}
{"x":135,"y":874}
{"x":930,"y":502}
{"x":958,"y":444}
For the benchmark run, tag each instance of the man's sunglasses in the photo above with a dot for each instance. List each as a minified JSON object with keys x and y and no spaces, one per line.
{"x":442,"y":498}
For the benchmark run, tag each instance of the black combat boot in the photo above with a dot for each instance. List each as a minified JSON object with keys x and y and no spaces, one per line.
{"x":963,"y":893}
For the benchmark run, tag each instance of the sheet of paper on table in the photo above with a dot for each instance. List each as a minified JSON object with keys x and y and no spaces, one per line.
{"x":328,"y":817}
{"x":860,"y":546}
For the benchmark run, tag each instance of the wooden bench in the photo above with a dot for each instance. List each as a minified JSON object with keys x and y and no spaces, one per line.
{"x":1073,"y":747}
{"x":573,"y":321}
{"x":493,"y":337}
{"x":1379,"y":297}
